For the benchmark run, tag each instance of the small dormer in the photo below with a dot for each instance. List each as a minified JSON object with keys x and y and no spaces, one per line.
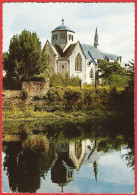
{"x":62,"y":36}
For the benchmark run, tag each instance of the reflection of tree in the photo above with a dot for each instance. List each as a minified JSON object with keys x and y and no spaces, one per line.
{"x":10,"y":164}
{"x":129,"y":157}
{"x":117,"y":133}
{"x":25,"y":168}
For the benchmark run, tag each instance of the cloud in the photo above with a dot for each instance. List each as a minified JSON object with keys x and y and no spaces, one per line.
{"x":115,"y":22}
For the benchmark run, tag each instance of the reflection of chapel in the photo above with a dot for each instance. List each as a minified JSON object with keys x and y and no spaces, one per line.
{"x":66,"y":55}
{"x":70,"y":156}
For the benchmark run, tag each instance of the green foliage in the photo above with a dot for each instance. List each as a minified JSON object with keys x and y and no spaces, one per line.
{"x":55,"y":94}
{"x":130,"y":73}
{"x":56,"y":80}
{"x":4,"y":59}
{"x":89,"y":97}
{"x":11,"y":83}
{"x":118,"y":80}
{"x":73,"y":98}
{"x":24,"y":59}
{"x":112,"y":74}
{"x":24,"y":95}
{"x":60,"y":80}
{"x":87,"y":86}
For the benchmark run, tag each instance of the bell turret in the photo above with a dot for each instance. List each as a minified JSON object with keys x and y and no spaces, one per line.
{"x":62,"y":36}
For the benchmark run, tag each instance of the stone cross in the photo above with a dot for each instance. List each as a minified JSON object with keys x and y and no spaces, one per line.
{"x":62,"y":21}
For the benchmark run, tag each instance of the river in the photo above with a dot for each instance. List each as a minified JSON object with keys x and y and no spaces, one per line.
{"x":95,"y":160}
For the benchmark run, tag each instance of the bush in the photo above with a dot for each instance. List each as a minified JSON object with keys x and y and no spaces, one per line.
{"x":60,"y":80}
{"x":73,"y":98}
{"x":24,"y":95}
{"x":11,"y":84}
{"x":89,"y":97}
{"x":56,"y":95}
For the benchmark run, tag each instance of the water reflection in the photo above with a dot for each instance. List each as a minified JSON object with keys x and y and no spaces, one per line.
{"x":28,"y":159}
{"x":25,"y":166}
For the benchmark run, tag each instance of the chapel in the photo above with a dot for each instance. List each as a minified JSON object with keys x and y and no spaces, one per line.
{"x":64,"y":54}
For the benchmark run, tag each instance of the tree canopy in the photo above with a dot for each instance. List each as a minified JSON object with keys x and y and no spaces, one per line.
{"x":112,"y":74}
{"x":24,"y":59}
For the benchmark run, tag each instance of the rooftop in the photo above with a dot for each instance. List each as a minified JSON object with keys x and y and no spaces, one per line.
{"x":62,"y":28}
{"x":110,"y":56}
{"x":93,"y":50}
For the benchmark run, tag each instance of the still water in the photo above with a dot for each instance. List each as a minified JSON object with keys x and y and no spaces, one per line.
{"x":99,"y":161}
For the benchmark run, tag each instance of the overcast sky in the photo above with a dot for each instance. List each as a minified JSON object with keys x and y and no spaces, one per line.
{"x":115,"y":23}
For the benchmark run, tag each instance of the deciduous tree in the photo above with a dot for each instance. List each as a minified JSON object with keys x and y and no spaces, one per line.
{"x":23,"y":61}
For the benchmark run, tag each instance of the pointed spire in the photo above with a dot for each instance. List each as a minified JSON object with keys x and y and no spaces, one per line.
{"x":62,"y":21}
{"x":96,"y":39}
{"x":96,"y":32}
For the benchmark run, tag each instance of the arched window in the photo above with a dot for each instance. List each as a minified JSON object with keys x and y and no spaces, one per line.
{"x":91,"y":74}
{"x":48,"y":59}
{"x":78,"y":63}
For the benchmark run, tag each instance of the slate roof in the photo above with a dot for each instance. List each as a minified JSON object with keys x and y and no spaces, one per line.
{"x":90,"y":52}
{"x":110,"y":56}
{"x":62,"y":28}
{"x":93,"y":50}
{"x":58,"y":50}
{"x":69,"y":50}
{"x":54,"y":49}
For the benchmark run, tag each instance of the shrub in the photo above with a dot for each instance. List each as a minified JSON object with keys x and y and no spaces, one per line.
{"x":64,"y":81}
{"x":88,"y":86}
{"x":24,"y":95}
{"x":56,"y":95}
{"x":73,"y":98}
{"x":89,"y":97}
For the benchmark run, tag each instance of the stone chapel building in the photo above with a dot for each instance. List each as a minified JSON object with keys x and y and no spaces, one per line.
{"x":64,"y":54}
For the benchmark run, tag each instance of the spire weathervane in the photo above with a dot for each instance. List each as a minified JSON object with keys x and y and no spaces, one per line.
{"x":62,"y":21}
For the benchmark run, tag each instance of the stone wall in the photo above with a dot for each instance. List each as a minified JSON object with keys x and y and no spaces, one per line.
{"x":11,"y":93}
{"x":35,"y":88}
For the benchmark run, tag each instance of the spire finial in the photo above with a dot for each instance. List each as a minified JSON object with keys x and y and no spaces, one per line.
{"x":62,"y":21}
{"x":96,"y":31}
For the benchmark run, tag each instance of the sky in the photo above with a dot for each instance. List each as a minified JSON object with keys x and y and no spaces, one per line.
{"x":115,"y":23}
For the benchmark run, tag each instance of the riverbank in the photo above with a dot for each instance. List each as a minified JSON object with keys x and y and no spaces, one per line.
{"x":60,"y":103}
{"x":54,"y":118}
{"x":29,"y":114}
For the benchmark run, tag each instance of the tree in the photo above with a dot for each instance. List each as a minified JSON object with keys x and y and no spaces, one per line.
{"x":4,"y":59}
{"x":112,"y":74}
{"x":24,"y":59}
{"x":130,"y":72}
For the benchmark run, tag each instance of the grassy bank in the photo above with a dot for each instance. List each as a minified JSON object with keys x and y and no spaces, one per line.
{"x":65,"y":104}
{"x":23,"y":116}
{"x":74,"y":122}
{"x":51,"y":117}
